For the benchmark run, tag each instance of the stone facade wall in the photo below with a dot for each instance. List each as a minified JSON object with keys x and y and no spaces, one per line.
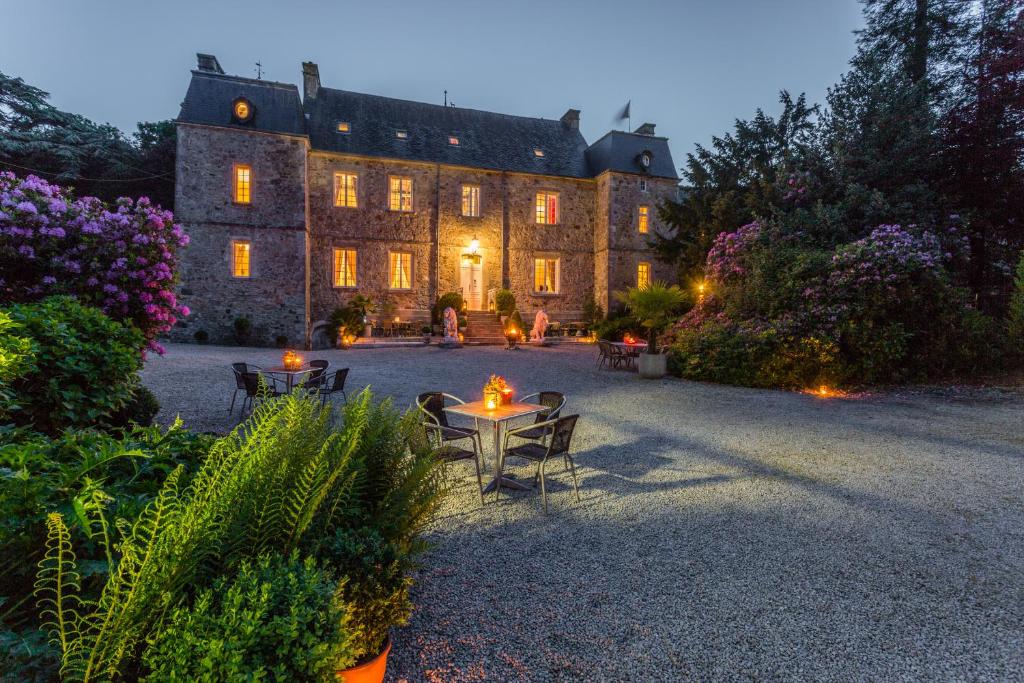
{"x":596,"y":240}
{"x":627,"y":246}
{"x":571,"y":241}
{"x":274,"y":297}
{"x":372,"y":230}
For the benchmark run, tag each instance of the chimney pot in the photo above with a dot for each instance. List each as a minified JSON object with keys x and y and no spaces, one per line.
{"x":208,"y":63}
{"x":645,"y":129}
{"x":310,"y":80}
{"x":571,"y":119}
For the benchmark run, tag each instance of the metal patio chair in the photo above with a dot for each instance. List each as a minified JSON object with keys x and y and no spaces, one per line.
{"x":553,"y":402}
{"x":444,"y":436}
{"x":333,"y":383}
{"x":560,"y":431}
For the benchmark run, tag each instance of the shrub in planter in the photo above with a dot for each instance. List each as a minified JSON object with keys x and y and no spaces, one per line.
{"x":83,"y":368}
{"x":516,"y":321}
{"x":504,"y":302}
{"x":201,"y":336}
{"x":592,"y":312}
{"x":243,"y":330}
{"x":343,"y":322}
{"x":279,"y":619}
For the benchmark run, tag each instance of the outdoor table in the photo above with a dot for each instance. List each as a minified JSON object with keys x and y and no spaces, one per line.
{"x":289,"y":374}
{"x":497,"y":417}
{"x":633,"y":348}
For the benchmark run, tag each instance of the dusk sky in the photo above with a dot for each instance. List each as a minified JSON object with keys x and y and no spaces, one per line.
{"x":690,"y":67}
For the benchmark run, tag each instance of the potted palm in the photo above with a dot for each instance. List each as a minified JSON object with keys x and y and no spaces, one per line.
{"x":655,"y":307}
{"x":362,"y":306}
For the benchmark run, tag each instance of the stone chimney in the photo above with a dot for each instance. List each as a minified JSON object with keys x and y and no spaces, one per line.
{"x":571,"y":119}
{"x":310,"y":80}
{"x":645,"y":129}
{"x":209,"y":63}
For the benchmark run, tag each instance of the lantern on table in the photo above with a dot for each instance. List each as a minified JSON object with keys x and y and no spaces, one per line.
{"x":291,"y":360}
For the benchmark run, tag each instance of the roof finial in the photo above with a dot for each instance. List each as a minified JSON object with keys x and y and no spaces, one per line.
{"x":259,"y":71}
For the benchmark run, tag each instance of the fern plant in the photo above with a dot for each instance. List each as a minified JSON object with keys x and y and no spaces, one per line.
{"x":260,"y":489}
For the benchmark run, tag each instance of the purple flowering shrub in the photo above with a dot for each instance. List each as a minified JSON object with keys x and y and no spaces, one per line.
{"x":879,"y":309}
{"x":121,"y":259}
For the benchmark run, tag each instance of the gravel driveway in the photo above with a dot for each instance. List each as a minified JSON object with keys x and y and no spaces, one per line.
{"x":723,"y":533}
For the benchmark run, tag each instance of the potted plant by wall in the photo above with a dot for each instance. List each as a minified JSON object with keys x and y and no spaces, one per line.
{"x":655,"y":307}
{"x":504,"y":304}
{"x":362,"y":306}
{"x":426,"y":330}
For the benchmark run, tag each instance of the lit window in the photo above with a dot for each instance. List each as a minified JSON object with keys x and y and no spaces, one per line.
{"x":538,"y":153}
{"x":399,"y":193}
{"x":471,"y":200}
{"x":243,"y":184}
{"x":643,"y":275}
{"x":344,"y":267}
{"x":452,"y":140}
{"x":547,"y":208}
{"x":241,"y":258}
{"x":545,"y":275}
{"x":400,"y":270}
{"x":643,"y":184}
{"x":344,"y":127}
{"x":345,"y":190}
{"x":401,"y":134}
{"x":643,"y":216}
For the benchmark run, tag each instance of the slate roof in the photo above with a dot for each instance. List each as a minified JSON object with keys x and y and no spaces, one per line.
{"x":618,"y":151}
{"x":486,"y":139}
{"x":278,"y":108}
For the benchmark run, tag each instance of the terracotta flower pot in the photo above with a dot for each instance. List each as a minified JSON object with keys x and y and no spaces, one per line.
{"x":369,"y":672}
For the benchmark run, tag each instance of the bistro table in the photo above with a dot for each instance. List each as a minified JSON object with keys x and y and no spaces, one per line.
{"x":497,"y":417}
{"x":289,"y":373}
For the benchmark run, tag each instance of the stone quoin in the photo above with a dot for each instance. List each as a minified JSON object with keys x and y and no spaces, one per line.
{"x":295,"y":203}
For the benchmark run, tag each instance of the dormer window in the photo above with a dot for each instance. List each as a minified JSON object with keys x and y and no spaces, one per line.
{"x":344,"y":127}
{"x":452,"y":140}
{"x":539,"y":153}
{"x":402,"y":134}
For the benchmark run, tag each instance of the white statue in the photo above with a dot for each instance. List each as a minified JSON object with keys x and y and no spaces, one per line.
{"x":451,"y":323}
{"x":540,"y":325}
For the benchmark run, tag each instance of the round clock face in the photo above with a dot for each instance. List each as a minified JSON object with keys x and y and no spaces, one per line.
{"x":645,"y":160}
{"x":242,"y":110}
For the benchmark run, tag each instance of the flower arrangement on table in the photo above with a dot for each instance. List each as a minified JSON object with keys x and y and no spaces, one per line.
{"x":497,"y":392}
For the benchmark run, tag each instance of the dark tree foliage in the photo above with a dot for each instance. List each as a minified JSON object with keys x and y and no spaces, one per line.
{"x":735,"y":181}
{"x":97,"y":160}
{"x":926,"y":129}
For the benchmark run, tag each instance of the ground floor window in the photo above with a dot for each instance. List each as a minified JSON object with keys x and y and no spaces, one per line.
{"x":344,"y":267}
{"x":241,"y":258}
{"x":643,"y":275}
{"x":400,"y":270}
{"x":545,"y":275}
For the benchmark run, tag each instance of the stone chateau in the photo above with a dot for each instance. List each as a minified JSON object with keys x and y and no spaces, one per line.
{"x":294,"y":204}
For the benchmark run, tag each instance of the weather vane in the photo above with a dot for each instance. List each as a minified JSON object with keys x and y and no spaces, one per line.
{"x":259,"y":71}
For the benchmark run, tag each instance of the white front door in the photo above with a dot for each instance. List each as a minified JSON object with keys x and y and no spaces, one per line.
{"x":472,"y":280}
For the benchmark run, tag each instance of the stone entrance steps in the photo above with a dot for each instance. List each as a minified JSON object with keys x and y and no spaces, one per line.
{"x":483,"y":328}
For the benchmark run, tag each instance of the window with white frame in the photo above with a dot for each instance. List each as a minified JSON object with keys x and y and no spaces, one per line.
{"x":344,"y":270}
{"x":242,"y":192}
{"x":399,"y":193}
{"x":345,"y":190}
{"x":471,"y":201}
{"x":399,"y":270}
{"x":545,"y":275}
{"x":546,"y":208}
{"x":643,"y":184}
